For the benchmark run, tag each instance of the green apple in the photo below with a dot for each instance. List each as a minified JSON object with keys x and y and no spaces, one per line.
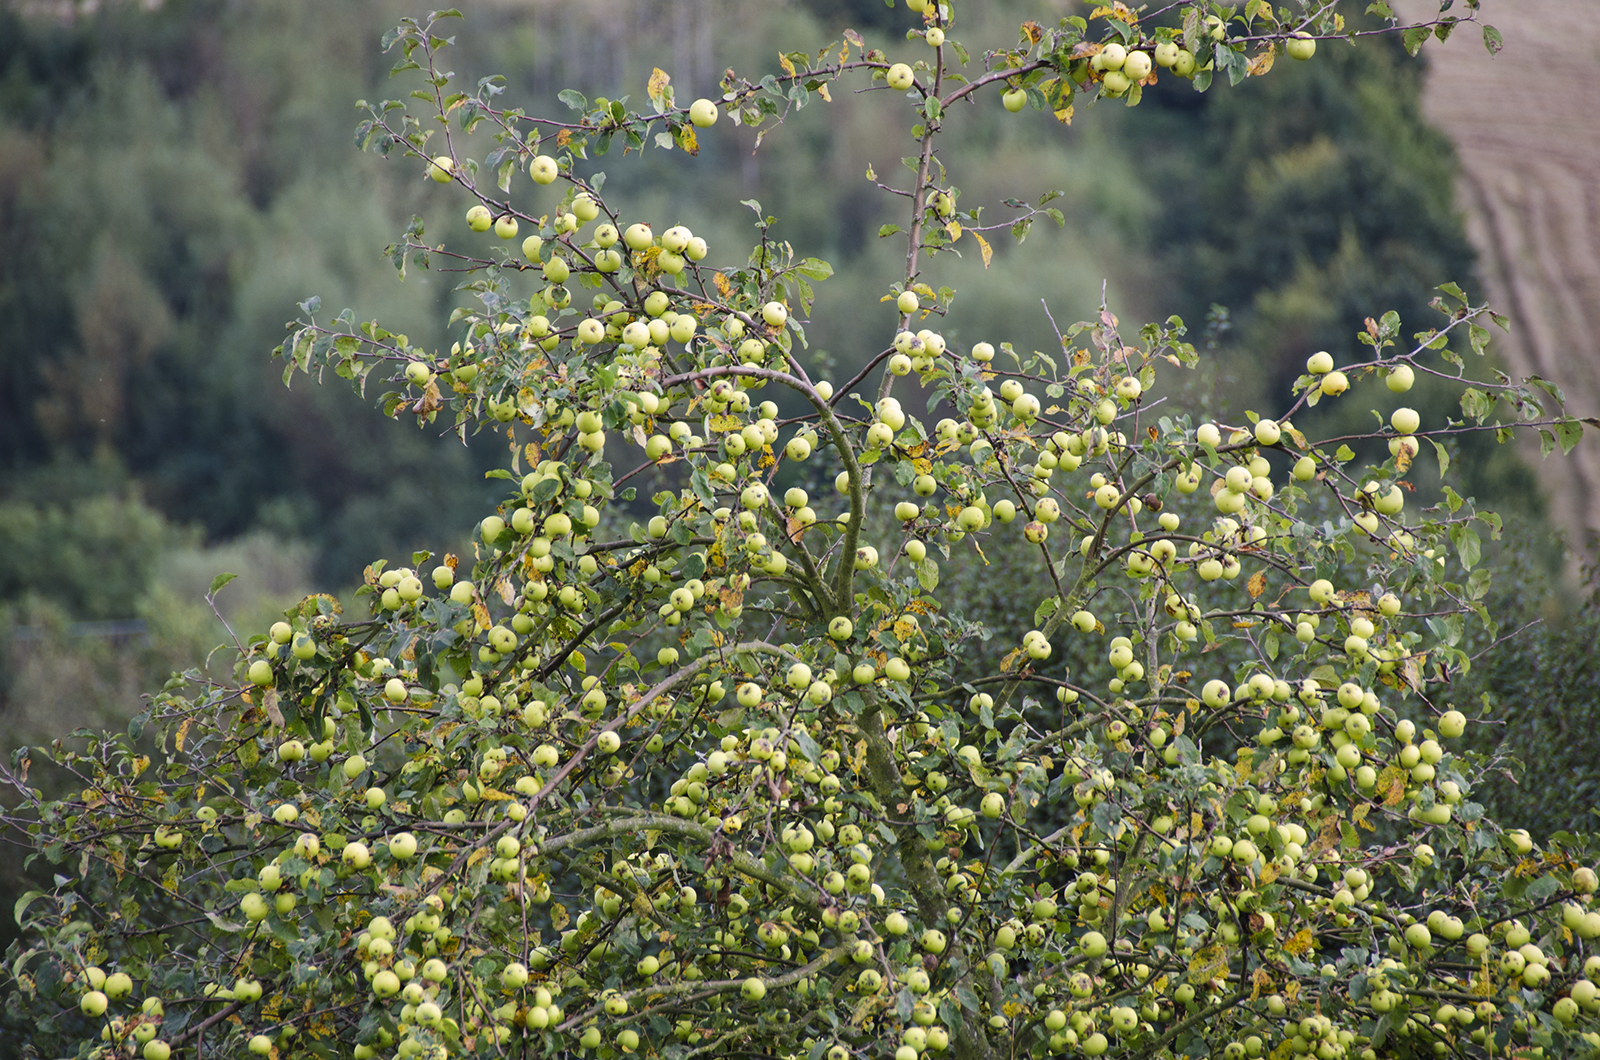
{"x":900,"y":77}
{"x":584,"y":207}
{"x":402,"y":846}
{"x":479,"y":219}
{"x":442,"y":168}
{"x":753,"y":989}
{"x":1300,"y":46}
{"x":506,"y":226}
{"x":703,"y":113}
{"x":357,"y":856}
{"x":93,"y":1004}
{"x":543,"y":169}
{"x":1014,"y":101}
{"x":260,"y":673}
{"x":638,"y":237}
{"x":1400,"y":378}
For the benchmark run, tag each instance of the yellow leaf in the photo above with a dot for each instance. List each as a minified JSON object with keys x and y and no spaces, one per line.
{"x":1392,"y":784}
{"x":559,"y":917}
{"x":783,"y":61}
{"x":1064,"y":115}
{"x":1299,"y":943}
{"x":481,"y":613}
{"x":657,"y":87}
{"x":688,"y":140}
{"x":954,"y":228}
{"x":1257,"y":584}
{"x":725,"y":422}
{"x":722,"y":285}
{"x":181,"y":734}
{"x":1262,"y":63}
{"x":269,"y":703}
{"x":1207,"y":962}
{"x":822,"y":90}
{"x":984,"y":249}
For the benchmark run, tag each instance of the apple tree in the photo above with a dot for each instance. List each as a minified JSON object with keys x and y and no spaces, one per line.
{"x":703,"y":772}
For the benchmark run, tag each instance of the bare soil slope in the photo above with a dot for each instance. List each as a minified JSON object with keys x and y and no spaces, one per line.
{"x":1527,"y":125}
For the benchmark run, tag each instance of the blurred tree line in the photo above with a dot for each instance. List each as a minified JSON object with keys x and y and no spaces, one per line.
{"x":173,"y":180}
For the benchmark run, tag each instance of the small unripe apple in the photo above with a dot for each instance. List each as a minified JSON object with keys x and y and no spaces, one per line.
{"x":260,"y":673}
{"x":1014,"y":100}
{"x":505,"y":226}
{"x":442,"y":168}
{"x":543,"y":169}
{"x":1334,"y":384}
{"x":479,"y":219}
{"x":1300,"y":46}
{"x":1320,"y":363}
{"x":753,"y":989}
{"x":900,"y":77}
{"x":703,"y":113}
{"x":1405,"y":421}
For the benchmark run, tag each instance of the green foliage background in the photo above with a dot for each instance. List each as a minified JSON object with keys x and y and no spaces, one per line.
{"x":173,"y":181}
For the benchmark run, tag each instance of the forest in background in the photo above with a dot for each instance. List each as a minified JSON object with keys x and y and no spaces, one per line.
{"x":173,"y":181}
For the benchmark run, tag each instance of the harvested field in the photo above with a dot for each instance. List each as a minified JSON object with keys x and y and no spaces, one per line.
{"x":1527,"y":126}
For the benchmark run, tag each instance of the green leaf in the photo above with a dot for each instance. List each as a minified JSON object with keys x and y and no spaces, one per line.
{"x":1468,"y":546}
{"x":1414,"y":37}
{"x":814,"y":268}
{"x":1444,"y":457}
{"x":220,"y":580}
{"x":573,"y":99}
{"x":22,"y":904}
{"x":887,"y":230}
{"x":1569,"y":432}
{"x":1476,"y":404}
{"x":1493,"y":40}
